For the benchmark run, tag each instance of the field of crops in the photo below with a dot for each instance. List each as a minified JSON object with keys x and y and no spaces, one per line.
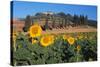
{"x":36,"y":48}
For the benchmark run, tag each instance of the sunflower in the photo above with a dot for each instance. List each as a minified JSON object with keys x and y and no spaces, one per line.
{"x":64,"y":37}
{"x":47,"y":40}
{"x":78,"y":47}
{"x":71,"y":40}
{"x":79,"y":36}
{"x":35,"y":30}
{"x":34,"y":41}
{"x":14,"y":36}
{"x":14,"y":33}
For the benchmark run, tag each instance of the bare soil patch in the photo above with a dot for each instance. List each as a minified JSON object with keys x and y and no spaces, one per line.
{"x":70,"y":30}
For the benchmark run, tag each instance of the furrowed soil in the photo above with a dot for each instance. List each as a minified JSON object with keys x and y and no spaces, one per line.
{"x":70,"y":30}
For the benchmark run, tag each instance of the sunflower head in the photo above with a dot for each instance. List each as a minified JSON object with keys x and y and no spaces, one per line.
{"x":47,"y":40}
{"x":35,"y":30}
{"x":64,"y":37}
{"x":78,"y":47}
{"x":71,"y":40}
{"x":14,"y":35}
{"x":79,"y":36}
{"x":34,"y":41}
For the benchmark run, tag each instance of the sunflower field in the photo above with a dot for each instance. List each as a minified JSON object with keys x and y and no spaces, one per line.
{"x":37,"y":48}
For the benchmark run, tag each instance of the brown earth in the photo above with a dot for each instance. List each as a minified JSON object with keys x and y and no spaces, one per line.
{"x":70,"y":30}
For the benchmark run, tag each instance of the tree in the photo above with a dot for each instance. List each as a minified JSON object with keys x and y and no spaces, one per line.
{"x":46,"y":26}
{"x":63,"y":16}
{"x":81,"y":20}
{"x":86,"y":20}
{"x":53,"y":22}
{"x":76,"y":20}
{"x":28,"y":22}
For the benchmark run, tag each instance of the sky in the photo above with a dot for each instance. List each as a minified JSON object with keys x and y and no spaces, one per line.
{"x":21,"y":9}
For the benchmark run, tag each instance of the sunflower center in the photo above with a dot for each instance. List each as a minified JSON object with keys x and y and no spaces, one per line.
{"x":35,"y":30}
{"x":71,"y":40}
{"x":46,"y":40}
